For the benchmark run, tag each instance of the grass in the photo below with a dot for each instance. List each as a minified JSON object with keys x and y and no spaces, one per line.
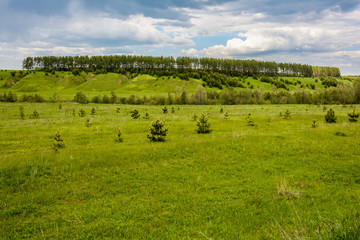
{"x":280,"y":179}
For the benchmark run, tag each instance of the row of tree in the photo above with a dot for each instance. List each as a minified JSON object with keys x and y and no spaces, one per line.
{"x":170,"y":65}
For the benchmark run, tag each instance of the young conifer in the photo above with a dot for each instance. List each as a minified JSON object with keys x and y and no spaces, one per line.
{"x":203,"y":124}
{"x":158,"y":131}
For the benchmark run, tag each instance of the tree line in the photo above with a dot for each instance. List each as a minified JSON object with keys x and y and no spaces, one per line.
{"x":170,"y":65}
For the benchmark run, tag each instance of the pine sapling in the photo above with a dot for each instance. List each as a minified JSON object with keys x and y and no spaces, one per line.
{"x":221,"y":110}
{"x":58,"y":142}
{"x":82,"y":113}
{"x":353,"y":117}
{"x":203,"y":124}
{"x":194,"y":117}
{"x":287,"y":114}
{"x":118,"y":110}
{"x":93,"y":111}
{"x":35,"y":114}
{"x":172,"y":110}
{"x":147,"y":116}
{"x":135,"y":114}
{"x":226,"y":115}
{"x":314,"y":124}
{"x":158,"y":131}
{"x":88,"y":122}
{"x":330,"y":116}
{"x":165,"y":110}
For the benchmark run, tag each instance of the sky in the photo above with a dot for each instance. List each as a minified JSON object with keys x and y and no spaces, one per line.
{"x":315,"y":32}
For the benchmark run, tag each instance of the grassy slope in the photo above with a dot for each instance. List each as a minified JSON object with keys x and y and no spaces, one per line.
{"x":280,"y":179}
{"x":66,"y":85}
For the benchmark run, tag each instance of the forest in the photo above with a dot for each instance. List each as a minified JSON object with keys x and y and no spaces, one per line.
{"x":166,"y":66}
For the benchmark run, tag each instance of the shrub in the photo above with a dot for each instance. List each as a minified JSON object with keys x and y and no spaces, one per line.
{"x":203,"y":124}
{"x":172,"y":110}
{"x":135,"y":114}
{"x":353,"y":117}
{"x":80,"y":97}
{"x":158,"y":131}
{"x":226,"y":115}
{"x":58,"y":141}
{"x":330,"y":116}
{"x":221,"y":110}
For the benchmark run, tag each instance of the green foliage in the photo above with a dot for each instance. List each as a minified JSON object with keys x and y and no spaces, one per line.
{"x":88,"y":122}
{"x":118,"y":110}
{"x":82,"y":113}
{"x":80,"y":97}
{"x":22,"y":114}
{"x":330,"y":116}
{"x":226,"y":115}
{"x":165,"y":110}
{"x":172,"y":110}
{"x":135,"y":114}
{"x":341,"y":134}
{"x":158,"y":131}
{"x":203,"y":124}
{"x":58,"y":142}
{"x":35,"y":114}
{"x":221,"y":110}
{"x":353,"y":117}
{"x":93,"y":111}
{"x":60,"y":106}
{"x":287,"y":114}
{"x":194,"y":117}
{"x":119,"y":135}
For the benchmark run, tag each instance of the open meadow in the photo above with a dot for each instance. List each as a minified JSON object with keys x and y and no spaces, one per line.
{"x":279,"y":179}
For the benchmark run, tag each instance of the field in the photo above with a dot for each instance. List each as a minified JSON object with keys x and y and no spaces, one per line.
{"x":279,"y":179}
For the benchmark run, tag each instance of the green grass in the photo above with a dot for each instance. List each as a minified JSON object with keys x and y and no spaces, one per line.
{"x":280,"y":179}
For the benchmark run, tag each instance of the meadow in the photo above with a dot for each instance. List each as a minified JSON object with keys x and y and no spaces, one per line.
{"x":279,"y":179}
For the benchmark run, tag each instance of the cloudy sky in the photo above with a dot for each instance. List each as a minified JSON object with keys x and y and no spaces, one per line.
{"x":316,"y":32}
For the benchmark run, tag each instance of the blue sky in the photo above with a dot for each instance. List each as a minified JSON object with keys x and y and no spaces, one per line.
{"x":316,"y":32}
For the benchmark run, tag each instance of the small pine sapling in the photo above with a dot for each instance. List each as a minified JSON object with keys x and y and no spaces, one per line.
{"x":88,"y":122}
{"x":119,"y":134}
{"x":226,"y":115}
{"x":353,"y":117}
{"x":35,"y":114}
{"x":314,"y":124}
{"x":60,"y":106}
{"x":324,"y":108}
{"x":287,"y":114}
{"x":250,"y":120}
{"x":118,"y":110}
{"x":203,"y":124}
{"x":93,"y":111}
{"x":147,"y":116}
{"x":158,"y":131}
{"x":165,"y":110}
{"x":58,"y":142}
{"x":194,"y":117}
{"x":22,"y":113}
{"x":221,"y":110}
{"x":135,"y":114}
{"x":330,"y":116}
{"x":82,"y":113}
{"x":73,"y":111}
{"x":172,"y":110}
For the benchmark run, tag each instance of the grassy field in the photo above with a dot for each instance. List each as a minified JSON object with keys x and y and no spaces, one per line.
{"x":280,"y":179}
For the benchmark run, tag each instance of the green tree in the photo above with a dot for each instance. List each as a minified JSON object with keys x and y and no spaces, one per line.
{"x":203,"y":124}
{"x":58,"y":142}
{"x":353,"y":117}
{"x":135,"y":114}
{"x":330,"y":116}
{"x":158,"y":131}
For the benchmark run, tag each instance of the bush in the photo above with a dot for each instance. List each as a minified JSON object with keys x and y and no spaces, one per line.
{"x":87,"y":122}
{"x":119,"y":137}
{"x":203,"y":124}
{"x":250,"y":121}
{"x":93,"y":111}
{"x":80,"y":97}
{"x":165,"y":110}
{"x":158,"y":131}
{"x":147,"y":116}
{"x":22,"y":114}
{"x":35,"y":114}
{"x":330,"y":116}
{"x":287,"y":114}
{"x":82,"y":113}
